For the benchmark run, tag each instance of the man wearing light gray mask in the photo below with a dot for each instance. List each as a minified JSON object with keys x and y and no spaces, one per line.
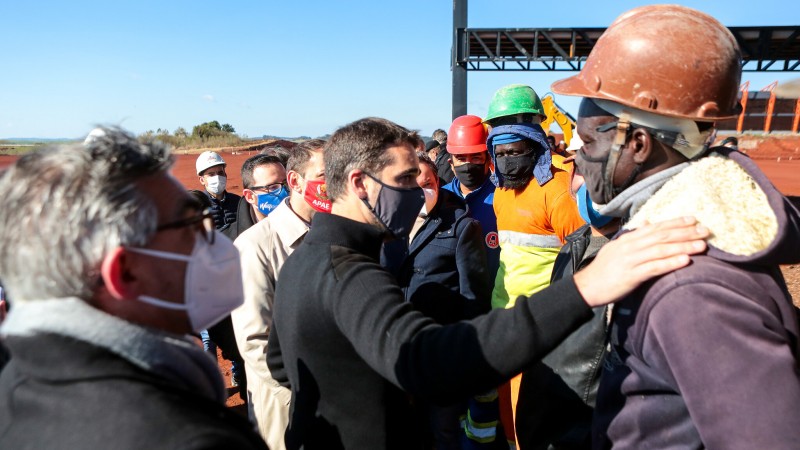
{"x":120,"y":267}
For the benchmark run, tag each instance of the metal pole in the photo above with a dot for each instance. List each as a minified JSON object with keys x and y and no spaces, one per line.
{"x":459,"y":70}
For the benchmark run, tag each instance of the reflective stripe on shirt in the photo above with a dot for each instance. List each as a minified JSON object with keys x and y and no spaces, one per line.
{"x":528,"y":240}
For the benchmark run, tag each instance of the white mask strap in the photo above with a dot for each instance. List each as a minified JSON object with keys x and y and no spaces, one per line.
{"x":161,"y":254}
{"x":161,"y":303}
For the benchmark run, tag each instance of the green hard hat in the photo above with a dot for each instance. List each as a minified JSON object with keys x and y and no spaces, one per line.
{"x":514,"y":99}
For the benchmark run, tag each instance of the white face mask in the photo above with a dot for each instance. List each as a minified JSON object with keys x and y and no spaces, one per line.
{"x":213,"y":283}
{"x":431,"y":195}
{"x":216,"y":184}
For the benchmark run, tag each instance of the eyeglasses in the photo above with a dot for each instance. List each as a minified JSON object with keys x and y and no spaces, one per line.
{"x":271,"y":189}
{"x":203,"y":221}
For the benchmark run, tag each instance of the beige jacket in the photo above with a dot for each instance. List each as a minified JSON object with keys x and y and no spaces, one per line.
{"x":263,"y":248}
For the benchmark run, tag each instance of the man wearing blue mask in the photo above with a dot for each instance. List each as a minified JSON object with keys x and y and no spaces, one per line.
{"x":121,"y":265}
{"x":346,"y":341}
{"x":264,"y":247}
{"x":264,"y":187}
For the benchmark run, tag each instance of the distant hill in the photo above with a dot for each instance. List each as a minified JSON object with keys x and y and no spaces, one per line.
{"x":30,"y":141}
{"x":305,"y":138}
{"x":287,"y":138}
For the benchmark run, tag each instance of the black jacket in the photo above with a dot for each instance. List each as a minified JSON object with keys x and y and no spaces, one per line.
{"x":244,"y":220}
{"x":61,"y":393}
{"x":347,"y":343}
{"x":443,"y":273}
{"x":224,"y":211}
{"x":557,"y":396}
{"x":443,"y":165}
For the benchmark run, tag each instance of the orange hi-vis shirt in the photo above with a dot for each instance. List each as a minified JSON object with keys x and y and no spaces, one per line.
{"x":532,"y":224}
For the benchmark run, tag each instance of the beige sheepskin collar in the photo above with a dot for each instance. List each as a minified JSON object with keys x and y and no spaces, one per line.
{"x":723,"y":197}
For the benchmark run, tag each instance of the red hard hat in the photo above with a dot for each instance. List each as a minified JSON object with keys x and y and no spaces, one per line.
{"x":467,"y":135}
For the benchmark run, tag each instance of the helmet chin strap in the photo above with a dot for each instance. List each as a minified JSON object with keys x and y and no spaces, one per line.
{"x":623,"y":126}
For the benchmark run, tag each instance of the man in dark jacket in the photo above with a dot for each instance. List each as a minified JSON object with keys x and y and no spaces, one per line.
{"x":442,"y":270}
{"x":443,"y":273}
{"x":706,"y":356}
{"x":121,"y":265}
{"x":347,"y":343}
{"x":211,"y":173}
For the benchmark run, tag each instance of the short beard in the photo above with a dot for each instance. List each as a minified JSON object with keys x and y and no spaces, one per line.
{"x":516,"y":183}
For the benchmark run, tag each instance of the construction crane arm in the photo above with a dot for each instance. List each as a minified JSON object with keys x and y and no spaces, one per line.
{"x":554,"y":113}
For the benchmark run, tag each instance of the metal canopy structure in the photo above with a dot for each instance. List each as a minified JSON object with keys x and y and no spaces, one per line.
{"x":764,"y":49}
{"x":565,"y":49}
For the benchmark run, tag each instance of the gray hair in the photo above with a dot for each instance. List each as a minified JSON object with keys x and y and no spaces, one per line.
{"x":440,"y":136}
{"x":66,"y":207}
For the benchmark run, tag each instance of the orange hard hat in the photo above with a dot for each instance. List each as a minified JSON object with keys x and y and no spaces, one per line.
{"x":668,"y":60}
{"x":467,"y":135}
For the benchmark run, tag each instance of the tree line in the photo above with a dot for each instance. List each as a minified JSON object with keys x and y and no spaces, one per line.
{"x":208,"y":134}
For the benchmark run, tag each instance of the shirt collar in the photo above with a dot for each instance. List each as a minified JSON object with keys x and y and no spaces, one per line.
{"x":289,"y":226}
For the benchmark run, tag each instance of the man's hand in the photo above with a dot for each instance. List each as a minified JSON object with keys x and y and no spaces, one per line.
{"x":635,"y":257}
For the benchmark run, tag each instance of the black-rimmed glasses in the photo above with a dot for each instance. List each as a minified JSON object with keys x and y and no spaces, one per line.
{"x":270,"y":189}
{"x":204,"y":222}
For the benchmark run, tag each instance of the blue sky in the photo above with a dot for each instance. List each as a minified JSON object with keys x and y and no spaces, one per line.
{"x":273,"y":67}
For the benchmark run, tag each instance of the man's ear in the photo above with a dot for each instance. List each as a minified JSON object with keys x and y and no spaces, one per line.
{"x":117,"y":279}
{"x":293,"y":181}
{"x":641,"y":144}
{"x":202,"y":179}
{"x":355,"y":183}
{"x":249,"y":196}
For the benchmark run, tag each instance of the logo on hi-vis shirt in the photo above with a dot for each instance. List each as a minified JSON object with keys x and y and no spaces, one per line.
{"x":492,"y":240}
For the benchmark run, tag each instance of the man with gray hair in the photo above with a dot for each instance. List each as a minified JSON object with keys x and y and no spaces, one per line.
{"x":442,"y":158}
{"x":111,"y":264}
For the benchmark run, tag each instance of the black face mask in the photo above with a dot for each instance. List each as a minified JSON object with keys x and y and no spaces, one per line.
{"x":594,"y":171}
{"x":518,"y":167}
{"x":396,"y":208}
{"x":471,"y":175}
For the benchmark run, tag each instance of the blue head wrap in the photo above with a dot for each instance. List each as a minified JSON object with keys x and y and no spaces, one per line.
{"x":506,"y":134}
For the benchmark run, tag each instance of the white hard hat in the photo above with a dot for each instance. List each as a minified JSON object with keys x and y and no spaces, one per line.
{"x":94,"y":134}
{"x":574,"y":144}
{"x":208,"y":159}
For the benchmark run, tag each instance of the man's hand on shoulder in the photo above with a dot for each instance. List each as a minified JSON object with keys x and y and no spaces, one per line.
{"x":637,"y":256}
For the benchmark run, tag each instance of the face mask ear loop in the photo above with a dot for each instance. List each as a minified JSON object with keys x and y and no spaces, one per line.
{"x":371,"y":209}
{"x":623,"y":126}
